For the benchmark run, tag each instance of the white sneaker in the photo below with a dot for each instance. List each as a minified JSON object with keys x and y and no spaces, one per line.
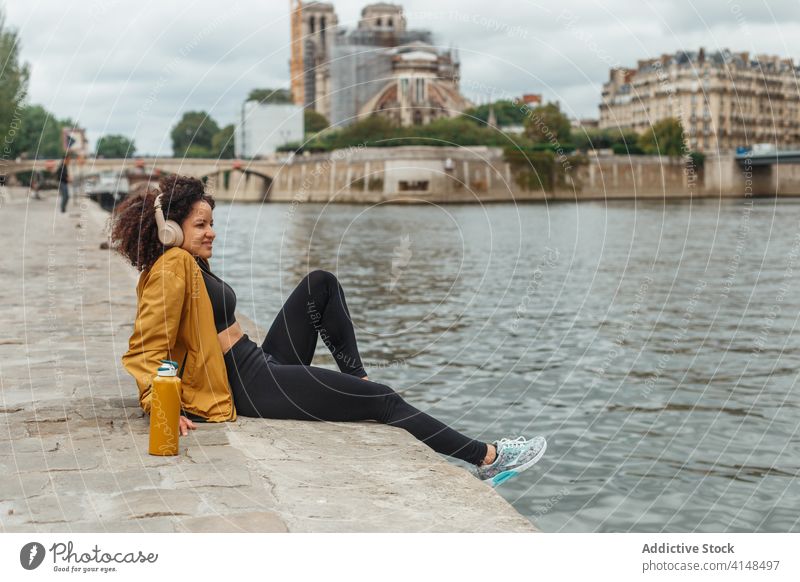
{"x":513,"y":457}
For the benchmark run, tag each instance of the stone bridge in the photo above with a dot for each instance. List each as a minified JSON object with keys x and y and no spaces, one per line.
{"x":229,"y":179}
{"x":775,"y":173}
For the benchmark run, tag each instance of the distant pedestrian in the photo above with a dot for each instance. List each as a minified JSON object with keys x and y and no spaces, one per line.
{"x":36,"y":184}
{"x":62,"y":173}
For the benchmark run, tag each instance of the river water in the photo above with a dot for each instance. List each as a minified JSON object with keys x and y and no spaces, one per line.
{"x":653,"y":344}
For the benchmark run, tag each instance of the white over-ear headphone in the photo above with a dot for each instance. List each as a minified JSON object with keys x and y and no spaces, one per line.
{"x":170,"y":232}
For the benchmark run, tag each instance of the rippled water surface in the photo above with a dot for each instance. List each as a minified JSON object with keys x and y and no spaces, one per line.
{"x":653,"y":344}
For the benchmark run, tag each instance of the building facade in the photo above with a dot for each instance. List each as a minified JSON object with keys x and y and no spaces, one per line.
{"x":380,"y":67}
{"x":723,"y":100}
{"x":264,"y":127}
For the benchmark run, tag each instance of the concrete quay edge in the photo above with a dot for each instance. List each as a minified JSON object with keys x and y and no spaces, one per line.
{"x":73,"y":440}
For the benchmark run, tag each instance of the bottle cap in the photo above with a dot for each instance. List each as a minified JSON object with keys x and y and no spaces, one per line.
{"x":168,"y":368}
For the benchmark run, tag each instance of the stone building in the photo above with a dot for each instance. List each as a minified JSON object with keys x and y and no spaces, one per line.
{"x":379,"y":67}
{"x":724,"y":100}
{"x":317,"y":31}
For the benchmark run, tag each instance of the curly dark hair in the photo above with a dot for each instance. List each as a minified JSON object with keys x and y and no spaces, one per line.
{"x":132,"y":225}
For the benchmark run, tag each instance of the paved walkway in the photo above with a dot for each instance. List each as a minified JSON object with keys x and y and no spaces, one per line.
{"x":73,"y":440}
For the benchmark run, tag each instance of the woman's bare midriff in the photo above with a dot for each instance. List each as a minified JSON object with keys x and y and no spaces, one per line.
{"x":230,"y":336}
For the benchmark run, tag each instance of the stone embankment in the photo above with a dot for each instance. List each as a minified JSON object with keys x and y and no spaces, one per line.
{"x":73,"y":440}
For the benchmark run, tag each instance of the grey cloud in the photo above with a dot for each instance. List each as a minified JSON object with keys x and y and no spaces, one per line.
{"x":689,"y":15}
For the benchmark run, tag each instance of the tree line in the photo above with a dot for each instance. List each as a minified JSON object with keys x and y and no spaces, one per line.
{"x":541,"y":128}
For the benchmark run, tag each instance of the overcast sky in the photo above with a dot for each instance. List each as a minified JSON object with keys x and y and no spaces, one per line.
{"x":134,"y":67}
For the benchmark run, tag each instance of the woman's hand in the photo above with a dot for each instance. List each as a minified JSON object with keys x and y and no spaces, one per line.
{"x":185,"y":425}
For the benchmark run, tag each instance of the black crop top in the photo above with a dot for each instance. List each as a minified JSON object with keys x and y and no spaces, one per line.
{"x":223,"y":299}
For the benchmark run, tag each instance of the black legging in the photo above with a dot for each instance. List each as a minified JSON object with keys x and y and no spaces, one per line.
{"x":277,"y":380}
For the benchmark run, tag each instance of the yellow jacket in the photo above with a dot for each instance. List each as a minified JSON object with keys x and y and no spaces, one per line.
{"x":175,"y":321}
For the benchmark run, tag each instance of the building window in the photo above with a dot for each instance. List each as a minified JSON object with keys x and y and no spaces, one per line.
{"x":311,"y":25}
{"x":417,"y":117}
{"x":389,"y":23}
{"x":420,"y":93}
{"x":413,"y":185}
{"x":379,"y":22}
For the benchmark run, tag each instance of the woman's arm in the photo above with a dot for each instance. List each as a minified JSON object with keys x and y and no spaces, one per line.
{"x":155,"y":330}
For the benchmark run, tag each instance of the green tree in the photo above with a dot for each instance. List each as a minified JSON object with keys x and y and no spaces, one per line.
{"x":39,"y":135}
{"x":506,"y":111}
{"x":13,"y":87}
{"x":222,"y":143}
{"x":587,"y":139}
{"x":374,"y":131}
{"x":458,"y":131}
{"x":274,"y":96}
{"x":198,"y":151}
{"x":664,"y":138}
{"x":543,"y":169}
{"x":378,"y":131}
{"x":314,"y":121}
{"x":192,"y":136}
{"x":115,"y":146}
{"x":546,"y":124}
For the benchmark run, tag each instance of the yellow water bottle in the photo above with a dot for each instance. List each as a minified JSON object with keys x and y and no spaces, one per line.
{"x":165,"y":410}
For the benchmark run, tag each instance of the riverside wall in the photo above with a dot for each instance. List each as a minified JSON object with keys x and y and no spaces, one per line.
{"x":479,"y":174}
{"x":416,"y":174}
